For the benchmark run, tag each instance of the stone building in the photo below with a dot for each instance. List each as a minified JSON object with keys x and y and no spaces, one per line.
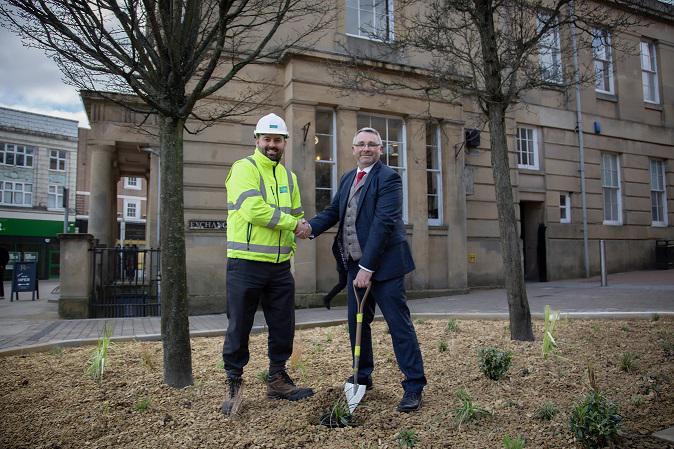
{"x":38,"y":155}
{"x":449,"y":198}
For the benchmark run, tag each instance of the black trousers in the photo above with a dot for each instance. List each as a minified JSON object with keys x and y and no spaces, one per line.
{"x":249,"y":283}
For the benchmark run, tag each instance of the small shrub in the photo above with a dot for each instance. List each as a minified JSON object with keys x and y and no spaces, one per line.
{"x":625,"y":328}
{"x":627,"y":362}
{"x":407,"y":438}
{"x":494,"y":362}
{"x":595,"y":421}
{"x":513,"y":442}
{"x":442,"y":346}
{"x":467,"y":411}
{"x":637,"y":400}
{"x":339,"y":415}
{"x":141,"y":405}
{"x":549,"y":344}
{"x":262,"y":376}
{"x":453,"y":325}
{"x":546,"y":412}
{"x":98,"y":360}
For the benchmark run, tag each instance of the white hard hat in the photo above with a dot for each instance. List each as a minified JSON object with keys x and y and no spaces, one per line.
{"x":271,"y":124}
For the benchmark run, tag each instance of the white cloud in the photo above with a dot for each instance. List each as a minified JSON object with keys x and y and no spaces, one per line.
{"x":30,"y":81}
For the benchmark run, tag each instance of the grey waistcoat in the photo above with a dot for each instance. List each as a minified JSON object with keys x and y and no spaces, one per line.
{"x":350,"y":237}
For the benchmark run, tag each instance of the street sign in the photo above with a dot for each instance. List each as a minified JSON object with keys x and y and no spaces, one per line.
{"x":24,"y":279}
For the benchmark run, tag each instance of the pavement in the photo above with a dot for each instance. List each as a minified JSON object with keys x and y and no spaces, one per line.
{"x":27,"y":325}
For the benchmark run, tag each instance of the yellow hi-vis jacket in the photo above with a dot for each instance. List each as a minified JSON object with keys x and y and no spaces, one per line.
{"x":264,"y":206}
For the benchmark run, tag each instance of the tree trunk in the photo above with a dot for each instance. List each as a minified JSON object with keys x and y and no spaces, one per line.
{"x":174,"y":316}
{"x":518,"y":304}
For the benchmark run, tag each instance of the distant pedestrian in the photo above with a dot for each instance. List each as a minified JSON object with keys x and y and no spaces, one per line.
{"x":4,"y":260}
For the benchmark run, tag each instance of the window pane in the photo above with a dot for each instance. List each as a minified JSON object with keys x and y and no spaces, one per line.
{"x":395,"y":130}
{"x":433,"y":211}
{"x":392,"y":156}
{"x":324,"y":148}
{"x":432,"y":183}
{"x":323,"y":122}
{"x":52,"y":164}
{"x":51,"y":201}
{"x":9,"y":159}
{"x":379,"y":123}
{"x":363,"y":121}
{"x":20,"y":160}
{"x":322,"y":199}
{"x":324,"y":175}
{"x":366,"y":22}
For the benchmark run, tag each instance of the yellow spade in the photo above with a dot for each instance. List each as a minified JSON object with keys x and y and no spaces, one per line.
{"x":354,"y":392}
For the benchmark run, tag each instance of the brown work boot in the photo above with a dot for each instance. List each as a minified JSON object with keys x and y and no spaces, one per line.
{"x":234,"y":397}
{"x":281,"y":386}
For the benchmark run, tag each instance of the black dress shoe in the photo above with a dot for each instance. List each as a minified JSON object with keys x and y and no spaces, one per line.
{"x":410,"y":402}
{"x":367,"y":383}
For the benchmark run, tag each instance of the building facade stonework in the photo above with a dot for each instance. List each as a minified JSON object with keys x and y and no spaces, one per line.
{"x":449,"y":198}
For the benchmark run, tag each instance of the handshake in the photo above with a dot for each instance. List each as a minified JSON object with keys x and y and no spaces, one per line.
{"x":303,"y":229}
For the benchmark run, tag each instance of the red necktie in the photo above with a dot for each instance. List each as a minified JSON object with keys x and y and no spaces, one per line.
{"x":359,"y":176}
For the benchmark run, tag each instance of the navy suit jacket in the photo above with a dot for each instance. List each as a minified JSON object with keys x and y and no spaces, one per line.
{"x":379,"y":223}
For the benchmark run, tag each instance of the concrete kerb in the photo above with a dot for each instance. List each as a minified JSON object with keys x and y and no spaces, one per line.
{"x":44,"y":347}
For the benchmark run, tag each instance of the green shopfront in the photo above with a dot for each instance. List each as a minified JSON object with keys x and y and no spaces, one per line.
{"x":33,"y":240}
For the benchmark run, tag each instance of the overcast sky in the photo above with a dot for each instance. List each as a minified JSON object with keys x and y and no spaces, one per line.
{"x":29,"y":81}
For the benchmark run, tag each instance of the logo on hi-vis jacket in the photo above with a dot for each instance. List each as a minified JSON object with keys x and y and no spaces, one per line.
{"x":283,"y":189}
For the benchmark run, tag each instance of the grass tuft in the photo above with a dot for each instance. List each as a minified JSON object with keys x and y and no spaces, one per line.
{"x":99,"y":359}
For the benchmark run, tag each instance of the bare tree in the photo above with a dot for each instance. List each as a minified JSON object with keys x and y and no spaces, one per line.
{"x":494,"y":52}
{"x":172,"y":55}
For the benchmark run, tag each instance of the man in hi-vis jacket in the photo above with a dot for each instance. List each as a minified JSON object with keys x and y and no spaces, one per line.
{"x":264,"y":214}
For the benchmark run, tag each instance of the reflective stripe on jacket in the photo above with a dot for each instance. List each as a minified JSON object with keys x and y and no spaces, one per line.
{"x":263,"y":204}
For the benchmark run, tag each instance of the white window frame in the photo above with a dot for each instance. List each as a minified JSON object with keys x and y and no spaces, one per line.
{"x":353,"y":8}
{"x":658,"y":192}
{"x":27,"y":151}
{"x":55,"y":155}
{"x":333,"y":154}
{"x":533,"y":141}
{"x":55,"y":192}
{"x":602,"y":56}
{"x":611,"y":182}
{"x":566,"y":207}
{"x":128,"y":217}
{"x":649,"y":72}
{"x":436,"y":172}
{"x":12,"y":188}
{"x":550,"y":51}
{"x":137,"y":186}
{"x":402,"y":150}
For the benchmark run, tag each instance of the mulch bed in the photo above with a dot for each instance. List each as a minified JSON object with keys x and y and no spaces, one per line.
{"x":47,"y":400}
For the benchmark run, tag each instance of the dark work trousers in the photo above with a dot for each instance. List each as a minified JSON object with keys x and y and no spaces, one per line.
{"x":389,"y":295}
{"x":248,"y":283}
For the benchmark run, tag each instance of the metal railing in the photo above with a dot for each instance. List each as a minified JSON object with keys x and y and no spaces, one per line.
{"x":126,"y":283}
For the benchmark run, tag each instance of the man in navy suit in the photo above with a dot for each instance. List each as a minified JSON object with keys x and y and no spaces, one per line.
{"x":368,"y":207}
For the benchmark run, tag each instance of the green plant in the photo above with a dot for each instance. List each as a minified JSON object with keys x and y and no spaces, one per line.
{"x":442,"y":346}
{"x":513,"y":442}
{"x":494,"y":362}
{"x":339,"y":415}
{"x":419,"y":321}
{"x":627,"y":362}
{"x":549,"y":343}
{"x":667,"y":346}
{"x":98,"y":360}
{"x":146,"y":358}
{"x":467,"y":411}
{"x":595,"y":328}
{"x":56,"y":351}
{"x":328,"y":337}
{"x":141,"y":405}
{"x":655,"y":317}
{"x":262,"y":376}
{"x":625,"y":328}
{"x":546,"y":412}
{"x":595,"y":421}
{"x":407,"y":438}
{"x":453,"y":325}
{"x":637,"y":400}
{"x":220,"y":364}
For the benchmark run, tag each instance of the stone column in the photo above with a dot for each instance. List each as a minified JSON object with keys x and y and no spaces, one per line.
{"x":101,"y":197}
{"x":416,"y":201}
{"x":299,"y":157}
{"x":76,"y":275}
{"x":455,"y":205}
{"x":152,"y":208}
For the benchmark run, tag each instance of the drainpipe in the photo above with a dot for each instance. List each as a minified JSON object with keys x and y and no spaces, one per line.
{"x":581,"y":145}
